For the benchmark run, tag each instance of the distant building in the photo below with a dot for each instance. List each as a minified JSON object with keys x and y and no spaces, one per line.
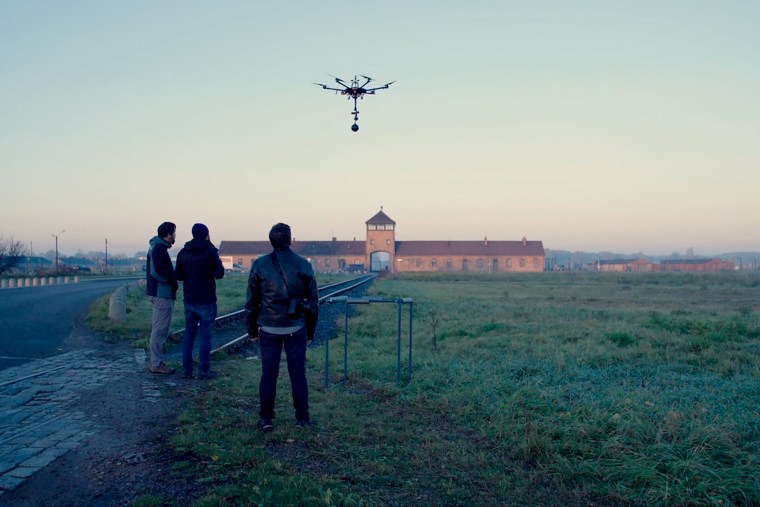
{"x":624,"y":265}
{"x":695,"y":265}
{"x":381,"y":252}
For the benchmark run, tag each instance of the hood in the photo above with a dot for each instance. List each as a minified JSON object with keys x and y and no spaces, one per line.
{"x":199,"y":245}
{"x":155,"y":240}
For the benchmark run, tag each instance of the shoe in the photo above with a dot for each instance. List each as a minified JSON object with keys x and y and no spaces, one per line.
{"x":266,"y":425}
{"x":208,"y":374}
{"x":303,"y":423}
{"x":162,"y":368}
{"x":188,"y":374}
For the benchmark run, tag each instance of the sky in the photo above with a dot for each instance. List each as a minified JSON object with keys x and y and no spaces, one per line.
{"x":588,"y":125}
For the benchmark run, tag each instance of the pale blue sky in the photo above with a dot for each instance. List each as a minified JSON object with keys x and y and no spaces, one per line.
{"x":589,"y":125}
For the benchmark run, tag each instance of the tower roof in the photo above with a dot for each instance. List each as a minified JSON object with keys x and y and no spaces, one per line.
{"x":380,"y":218}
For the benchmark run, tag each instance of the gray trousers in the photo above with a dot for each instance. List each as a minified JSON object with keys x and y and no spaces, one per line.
{"x":162,"y":319}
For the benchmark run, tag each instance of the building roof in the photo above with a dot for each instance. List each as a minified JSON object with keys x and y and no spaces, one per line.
{"x":304,"y":248}
{"x":483,"y":248}
{"x":688,"y":261}
{"x":623,"y":261}
{"x":380,"y":218}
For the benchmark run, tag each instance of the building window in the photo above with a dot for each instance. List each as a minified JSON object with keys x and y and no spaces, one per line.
{"x":371,"y":227}
{"x":535,"y":263}
{"x":418,"y":263}
{"x":327,"y":263}
{"x":434,"y":263}
{"x":449,"y":264}
{"x":509,"y":263}
{"x":480,"y":264}
{"x":522,"y":263}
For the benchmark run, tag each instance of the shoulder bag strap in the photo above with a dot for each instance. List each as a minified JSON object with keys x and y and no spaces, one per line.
{"x":276,"y":262}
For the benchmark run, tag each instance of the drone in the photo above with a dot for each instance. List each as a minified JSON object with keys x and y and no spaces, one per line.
{"x":354,"y":91}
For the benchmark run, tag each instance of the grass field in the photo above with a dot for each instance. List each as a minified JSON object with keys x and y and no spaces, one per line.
{"x":534,"y":389}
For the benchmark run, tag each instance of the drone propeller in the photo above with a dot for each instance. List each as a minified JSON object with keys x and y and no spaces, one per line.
{"x":386,"y":85}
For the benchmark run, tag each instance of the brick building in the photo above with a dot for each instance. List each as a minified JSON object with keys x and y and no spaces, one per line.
{"x":381,"y":252}
{"x":624,"y":265}
{"x":695,"y":265}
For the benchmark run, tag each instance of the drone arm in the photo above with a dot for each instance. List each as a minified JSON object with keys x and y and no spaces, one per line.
{"x":368,"y":80}
{"x":341,"y":82}
{"x":325,"y":87}
{"x":380,"y":87}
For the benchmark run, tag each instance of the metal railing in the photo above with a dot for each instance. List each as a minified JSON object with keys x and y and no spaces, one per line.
{"x":364,"y":301}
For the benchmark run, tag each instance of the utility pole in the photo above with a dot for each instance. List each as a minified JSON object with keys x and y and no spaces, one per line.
{"x":56,"y":248}
{"x":106,"y":269}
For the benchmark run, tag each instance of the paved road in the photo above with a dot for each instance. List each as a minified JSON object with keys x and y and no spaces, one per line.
{"x":36,"y":321}
{"x":36,"y":423}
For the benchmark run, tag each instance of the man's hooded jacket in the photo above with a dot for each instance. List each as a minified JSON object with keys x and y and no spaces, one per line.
{"x":160,"y":278}
{"x":198,"y":267}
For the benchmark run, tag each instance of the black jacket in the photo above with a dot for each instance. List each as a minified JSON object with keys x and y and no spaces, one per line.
{"x":198,"y":267}
{"x":268,"y":298}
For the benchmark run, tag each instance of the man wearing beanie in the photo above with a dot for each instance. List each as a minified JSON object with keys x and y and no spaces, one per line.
{"x":198,"y":268}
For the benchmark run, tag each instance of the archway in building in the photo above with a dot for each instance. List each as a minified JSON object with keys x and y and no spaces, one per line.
{"x":380,"y":261}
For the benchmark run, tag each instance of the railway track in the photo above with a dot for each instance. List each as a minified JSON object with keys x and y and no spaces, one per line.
{"x":230,"y":329}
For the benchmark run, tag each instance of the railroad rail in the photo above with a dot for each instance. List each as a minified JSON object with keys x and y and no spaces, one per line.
{"x":326,"y":292}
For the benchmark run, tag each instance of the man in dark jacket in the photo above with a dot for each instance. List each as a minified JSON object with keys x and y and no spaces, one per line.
{"x":198,"y":267}
{"x":161,"y":286}
{"x":282,"y":308}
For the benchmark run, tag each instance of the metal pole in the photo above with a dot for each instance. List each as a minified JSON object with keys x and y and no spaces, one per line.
{"x":327,"y":361}
{"x":345,"y":348}
{"x":56,"y":248}
{"x":411,"y":305}
{"x":398,"y":347}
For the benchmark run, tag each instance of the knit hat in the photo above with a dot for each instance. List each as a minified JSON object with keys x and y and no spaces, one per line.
{"x":200,"y":231}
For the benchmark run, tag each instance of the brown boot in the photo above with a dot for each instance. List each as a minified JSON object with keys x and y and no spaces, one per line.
{"x":161,"y":368}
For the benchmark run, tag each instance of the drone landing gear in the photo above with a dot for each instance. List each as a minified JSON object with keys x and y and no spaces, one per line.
{"x":355,"y":112}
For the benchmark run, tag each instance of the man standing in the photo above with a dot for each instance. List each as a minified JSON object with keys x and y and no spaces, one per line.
{"x":161,"y":286}
{"x":198,"y":267}
{"x":282,"y":308}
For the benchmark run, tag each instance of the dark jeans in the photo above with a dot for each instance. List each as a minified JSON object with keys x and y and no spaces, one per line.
{"x":270,"y":346}
{"x":195,"y":315}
